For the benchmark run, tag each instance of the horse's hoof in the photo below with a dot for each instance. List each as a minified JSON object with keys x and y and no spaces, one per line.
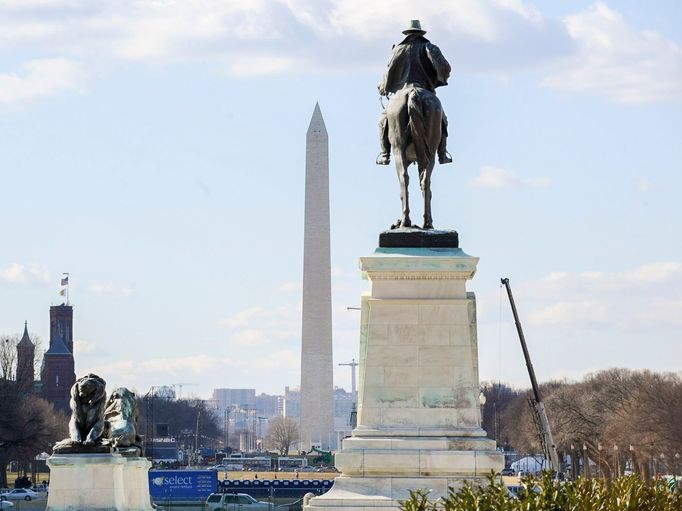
{"x":428,"y":225}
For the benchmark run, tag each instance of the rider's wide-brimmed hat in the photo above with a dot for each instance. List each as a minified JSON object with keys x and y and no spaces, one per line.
{"x":414,"y":28}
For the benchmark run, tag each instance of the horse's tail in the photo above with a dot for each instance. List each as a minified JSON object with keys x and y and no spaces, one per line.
{"x":417,"y":126}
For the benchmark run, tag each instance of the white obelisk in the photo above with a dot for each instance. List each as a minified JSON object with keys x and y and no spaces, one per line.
{"x":317,"y":390}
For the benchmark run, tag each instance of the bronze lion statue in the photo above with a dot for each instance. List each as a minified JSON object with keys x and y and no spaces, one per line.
{"x":120,"y":417}
{"x":86,"y":427}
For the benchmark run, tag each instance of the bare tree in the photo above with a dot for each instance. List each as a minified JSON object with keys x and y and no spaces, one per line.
{"x":498,"y":397}
{"x":28,"y":424}
{"x":8,"y":356}
{"x":181,"y":416}
{"x":637,"y":412}
{"x":282,"y":434}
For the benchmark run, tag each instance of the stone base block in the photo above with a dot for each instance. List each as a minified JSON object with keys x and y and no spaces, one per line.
{"x":92,"y":482}
{"x":418,"y":456}
{"x":136,"y":484}
{"x":380,"y":471}
{"x":365,"y":493}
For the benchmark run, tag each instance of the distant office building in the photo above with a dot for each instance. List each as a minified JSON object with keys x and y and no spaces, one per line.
{"x":343,"y":407}
{"x":269,"y":406}
{"x":292,"y":402}
{"x":343,"y":404}
{"x":57,"y":373}
{"x":226,"y":399}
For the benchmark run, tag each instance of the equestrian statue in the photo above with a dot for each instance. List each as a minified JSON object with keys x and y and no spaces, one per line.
{"x":413,"y":123}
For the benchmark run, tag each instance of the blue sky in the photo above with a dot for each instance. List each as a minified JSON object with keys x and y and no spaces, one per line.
{"x":155,"y":150}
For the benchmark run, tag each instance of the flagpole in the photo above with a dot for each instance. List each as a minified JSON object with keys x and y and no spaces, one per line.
{"x":68,"y":301}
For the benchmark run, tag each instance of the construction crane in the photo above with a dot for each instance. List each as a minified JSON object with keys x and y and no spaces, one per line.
{"x":536,"y":404}
{"x":179,"y":387}
{"x":352,"y":364}
{"x":354,"y":412}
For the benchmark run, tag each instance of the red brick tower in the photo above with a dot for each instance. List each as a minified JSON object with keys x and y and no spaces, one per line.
{"x":57,"y":374}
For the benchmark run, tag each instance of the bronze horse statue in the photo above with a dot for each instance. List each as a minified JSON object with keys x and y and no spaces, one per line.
{"x":415,"y":120}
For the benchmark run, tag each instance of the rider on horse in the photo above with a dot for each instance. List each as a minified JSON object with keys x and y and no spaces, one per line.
{"x":415,"y":62}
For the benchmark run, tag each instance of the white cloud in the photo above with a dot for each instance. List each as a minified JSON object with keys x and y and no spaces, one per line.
{"x":584,"y":312}
{"x":592,"y":51}
{"x":39,"y":79}
{"x":264,"y":326}
{"x":495,"y":177}
{"x":645,"y":297}
{"x":654,"y":273}
{"x":645,"y":185}
{"x":206,"y":370}
{"x":81,"y":347}
{"x":31,"y":274}
{"x":614,"y":59}
{"x":111,"y":289}
{"x":289,"y":287}
{"x":274,"y":36}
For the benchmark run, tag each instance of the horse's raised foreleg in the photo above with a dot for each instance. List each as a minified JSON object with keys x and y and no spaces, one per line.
{"x":425,"y":183}
{"x":401,"y":165}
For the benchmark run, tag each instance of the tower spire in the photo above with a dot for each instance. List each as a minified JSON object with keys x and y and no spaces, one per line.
{"x":25,"y":338}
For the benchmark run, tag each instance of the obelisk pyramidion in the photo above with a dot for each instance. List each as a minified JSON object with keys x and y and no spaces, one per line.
{"x":317,"y":391}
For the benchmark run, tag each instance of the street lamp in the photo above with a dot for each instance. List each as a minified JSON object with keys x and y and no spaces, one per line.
{"x":481,"y":401}
{"x":227,"y":429}
{"x":586,"y":462}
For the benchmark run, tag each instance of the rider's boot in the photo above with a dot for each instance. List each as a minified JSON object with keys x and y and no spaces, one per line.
{"x":443,"y":154}
{"x":384,"y":157}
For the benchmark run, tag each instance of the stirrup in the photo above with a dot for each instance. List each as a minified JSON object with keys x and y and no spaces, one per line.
{"x":383,"y":159}
{"x":444,"y":158}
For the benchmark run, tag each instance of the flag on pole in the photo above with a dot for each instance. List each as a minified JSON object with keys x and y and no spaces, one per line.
{"x":65,"y":281}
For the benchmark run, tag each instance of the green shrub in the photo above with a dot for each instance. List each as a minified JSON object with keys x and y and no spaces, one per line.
{"x":628,"y":493}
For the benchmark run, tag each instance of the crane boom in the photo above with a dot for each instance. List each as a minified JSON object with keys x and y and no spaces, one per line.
{"x":538,"y":406}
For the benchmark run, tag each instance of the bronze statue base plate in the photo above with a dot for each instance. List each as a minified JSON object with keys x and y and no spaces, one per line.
{"x":129,"y":452}
{"x":69,"y":447}
{"x":414,"y":237}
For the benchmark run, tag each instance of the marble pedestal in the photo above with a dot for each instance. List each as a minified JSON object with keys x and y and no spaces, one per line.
{"x":136,"y":484}
{"x":419,"y":423}
{"x":92,"y":482}
{"x":98,"y":482}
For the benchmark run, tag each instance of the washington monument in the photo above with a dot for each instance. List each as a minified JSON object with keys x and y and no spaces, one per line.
{"x":317,"y":389}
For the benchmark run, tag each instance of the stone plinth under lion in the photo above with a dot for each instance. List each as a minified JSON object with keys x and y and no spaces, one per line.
{"x":98,"y":467}
{"x":419,"y":422}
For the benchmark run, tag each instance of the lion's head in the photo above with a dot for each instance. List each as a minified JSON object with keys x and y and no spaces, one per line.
{"x":122,"y":404}
{"x":90,"y":389}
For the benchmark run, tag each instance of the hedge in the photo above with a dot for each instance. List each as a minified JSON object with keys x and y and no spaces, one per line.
{"x":629,"y":493}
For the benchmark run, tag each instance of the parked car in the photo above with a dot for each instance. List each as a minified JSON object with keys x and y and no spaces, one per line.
{"x":234,"y":502}
{"x":508,"y":471}
{"x":6,"y":504}
{"x":19,"y":494}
